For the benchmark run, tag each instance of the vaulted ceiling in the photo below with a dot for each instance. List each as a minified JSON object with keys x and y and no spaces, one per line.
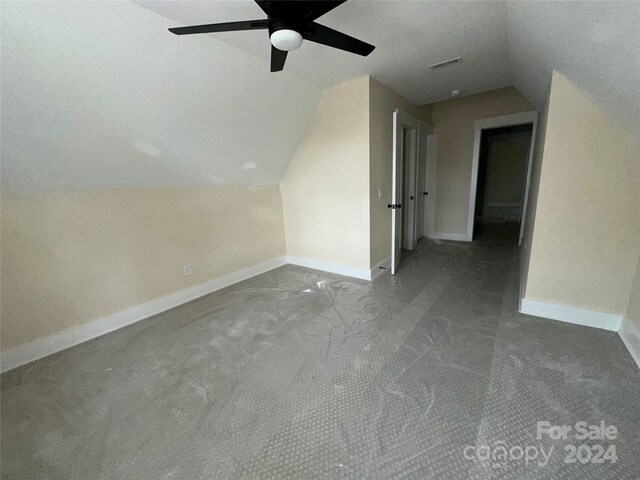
{"x":100,"y":95}
{"x":595,"y":44}
{"x":408,"y":35}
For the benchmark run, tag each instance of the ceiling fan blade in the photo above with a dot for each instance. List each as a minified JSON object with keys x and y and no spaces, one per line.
{"x":265,"y":6}
{"x":314,"y":32}
{"x":312,"y":9}
{"x":278,"y":58}
{"x":300,"y":10}
{"x":221,"y":27}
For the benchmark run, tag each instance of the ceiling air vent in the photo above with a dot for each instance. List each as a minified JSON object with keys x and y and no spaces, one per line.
{"x":446,"y":63}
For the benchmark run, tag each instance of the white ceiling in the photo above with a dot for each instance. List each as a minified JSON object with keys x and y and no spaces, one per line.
{"x":594,"y":44}
{"x":101,"y":95}
{"x":408,"y":35}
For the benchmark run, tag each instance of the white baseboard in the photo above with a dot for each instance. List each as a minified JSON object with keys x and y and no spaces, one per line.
{"x":42,"y":347}
{"x":458,"y":237}
{"x":630,"y":336}
{"x":346,"y":270}
{"x":521,"y":273}
{"x":361,"y":273}
{"x":29,"y":352}
{"x":566,"y":313}
{"x":39,"y":348}
{"x":380,"y":268}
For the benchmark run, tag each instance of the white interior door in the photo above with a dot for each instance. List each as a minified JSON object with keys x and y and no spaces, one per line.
{"x":396,"y":194}
{"x":422,"y":181}
{"x":409,"y":187}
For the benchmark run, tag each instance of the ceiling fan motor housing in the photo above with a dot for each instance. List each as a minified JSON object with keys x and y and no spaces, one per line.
{"x":284,"y":35}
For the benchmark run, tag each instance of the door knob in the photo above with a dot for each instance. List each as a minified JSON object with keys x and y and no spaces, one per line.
{"x":426,"y":193}
{"x":391,"y":206}
{"x":399,"y":205}
{"x":411,"y":197}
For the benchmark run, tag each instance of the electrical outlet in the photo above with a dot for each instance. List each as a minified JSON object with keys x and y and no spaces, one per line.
{"x":188,"y":271}
{"x":337,"y":247}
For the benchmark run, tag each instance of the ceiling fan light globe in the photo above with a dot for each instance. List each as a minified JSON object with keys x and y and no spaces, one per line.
{"x":286,"y":39}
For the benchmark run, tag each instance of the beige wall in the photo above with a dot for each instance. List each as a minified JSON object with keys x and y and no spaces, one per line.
{"x":453,"y":123}
{"x":325,"y":191}
{"x":71,"y":257}
{"x":584,"y":247}
{"x":330,"y":190}
{"x":508,"y":157}
{"x":425,"y":113}
{"x":532,"y":200}
{"x":633,"y":309}
{"x":630,"y":328}
{"x":383,"y":102}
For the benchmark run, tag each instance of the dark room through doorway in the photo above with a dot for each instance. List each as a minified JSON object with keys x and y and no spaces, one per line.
{"x":502,"y":172}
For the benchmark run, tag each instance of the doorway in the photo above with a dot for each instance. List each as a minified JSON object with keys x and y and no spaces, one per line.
{"x":478,"y":208}
{"x":410,"y":182}
{"x":502,"y":172}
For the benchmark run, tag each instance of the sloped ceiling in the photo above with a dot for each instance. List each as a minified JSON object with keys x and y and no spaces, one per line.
{"x":408,"y":35}
{"x":594,"y":44}
{"x":100,"y":95}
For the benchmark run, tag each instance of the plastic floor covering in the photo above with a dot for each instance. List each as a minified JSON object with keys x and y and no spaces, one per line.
{"x":300,"y":374}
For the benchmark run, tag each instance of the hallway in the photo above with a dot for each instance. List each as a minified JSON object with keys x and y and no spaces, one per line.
{"x":302,"y":374}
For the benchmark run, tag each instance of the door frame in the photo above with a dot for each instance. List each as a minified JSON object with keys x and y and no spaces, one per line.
{"x":409,"y":186}
{"x":417,"y":128}
{"x":430,"y":183}
{"x":397,"y":183}
{"x":421,"y":183}
{"x":520,"y":118}
{"x":431,"y":156}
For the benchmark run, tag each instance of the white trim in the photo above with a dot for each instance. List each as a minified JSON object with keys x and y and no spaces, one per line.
{"x":631,"y":338}
{"x":364,"y":274}
{"x":57,"y":342}
{"x":523,"y":278}
{"x":497,"y":122}
{"x":458,"y":237}
{"x":427,"y":146}
{"x":409,"y":120}
{"x":432,"y":167}
{"x":474,"y":184}
{"x":525,"y":198}
{"x":567,"y":313}
{"x":404,"y":237}
{"x":410,"y":189}
{"x":380,"y":268}
{"x":519,"y":118}
{"x":396,"y":192}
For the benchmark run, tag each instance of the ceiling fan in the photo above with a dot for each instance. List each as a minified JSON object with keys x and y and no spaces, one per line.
{"x":289,"y":22}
